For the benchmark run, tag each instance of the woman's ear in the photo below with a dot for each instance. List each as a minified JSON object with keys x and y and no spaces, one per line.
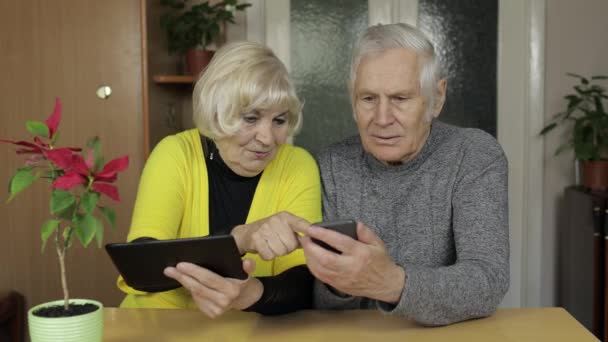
{"x":441,"y":90}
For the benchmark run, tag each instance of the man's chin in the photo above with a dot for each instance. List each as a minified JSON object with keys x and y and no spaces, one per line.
{"x":387,"y":154}
{"x":388,"y":159}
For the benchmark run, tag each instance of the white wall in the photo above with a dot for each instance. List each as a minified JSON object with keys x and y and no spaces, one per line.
{"x":576,"y":41}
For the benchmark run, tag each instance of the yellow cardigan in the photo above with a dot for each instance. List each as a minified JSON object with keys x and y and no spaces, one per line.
{"x":172,"y":202}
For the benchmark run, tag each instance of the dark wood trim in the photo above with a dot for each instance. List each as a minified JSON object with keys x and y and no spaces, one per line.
{"x":144,"y":78}
{"x":187,"y":79}
{"x":605,"y":273}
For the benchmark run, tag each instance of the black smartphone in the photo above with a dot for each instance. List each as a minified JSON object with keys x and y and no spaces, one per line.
{"x":346,"y":227}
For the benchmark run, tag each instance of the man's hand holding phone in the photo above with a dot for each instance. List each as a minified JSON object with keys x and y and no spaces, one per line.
{"x":363,"y":268}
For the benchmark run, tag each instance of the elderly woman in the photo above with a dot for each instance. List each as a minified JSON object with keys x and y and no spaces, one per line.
{"x":234,"y":174}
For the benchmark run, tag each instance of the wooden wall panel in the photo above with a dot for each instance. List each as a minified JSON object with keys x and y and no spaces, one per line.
{"x":67,"y":48}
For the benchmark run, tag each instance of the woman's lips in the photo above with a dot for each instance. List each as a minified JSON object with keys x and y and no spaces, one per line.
{"x":260,"y":154}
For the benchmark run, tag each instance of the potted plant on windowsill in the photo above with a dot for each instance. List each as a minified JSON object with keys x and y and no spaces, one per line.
{"x":77,"y":177}
{"x":588,"y":118}
{"x":191,"y":30}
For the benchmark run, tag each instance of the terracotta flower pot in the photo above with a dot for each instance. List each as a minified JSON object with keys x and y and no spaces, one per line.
{"x":197,"y":59}
{"x":595,"y":174}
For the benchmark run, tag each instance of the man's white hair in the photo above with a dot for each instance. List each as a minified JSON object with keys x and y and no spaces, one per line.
{"x":380,"y":38}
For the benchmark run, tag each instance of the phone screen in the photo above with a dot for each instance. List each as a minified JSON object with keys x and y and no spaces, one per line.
{"x":346,"y":227}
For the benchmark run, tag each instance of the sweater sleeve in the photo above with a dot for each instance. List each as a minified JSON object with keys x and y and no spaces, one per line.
{"x":286,"y":292}
{"x":475,"y":284}
{"x":290,"y":288}
{"x":301,"y":196}
{"x":325,"y":297}
{"x":160,"y":199}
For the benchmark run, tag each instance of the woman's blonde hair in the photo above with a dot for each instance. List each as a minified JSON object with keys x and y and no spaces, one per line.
{"x":242,"y":77}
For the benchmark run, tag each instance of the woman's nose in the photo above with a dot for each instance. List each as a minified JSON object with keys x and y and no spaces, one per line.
{"x":264,"y":134}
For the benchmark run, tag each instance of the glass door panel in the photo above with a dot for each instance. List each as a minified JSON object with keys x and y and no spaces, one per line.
{"x":322,"y":35}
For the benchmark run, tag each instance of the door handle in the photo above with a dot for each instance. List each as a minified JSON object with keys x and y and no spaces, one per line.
{"x":103,"y":92}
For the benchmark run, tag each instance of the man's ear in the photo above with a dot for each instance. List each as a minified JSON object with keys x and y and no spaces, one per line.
{"x":442,"y":86}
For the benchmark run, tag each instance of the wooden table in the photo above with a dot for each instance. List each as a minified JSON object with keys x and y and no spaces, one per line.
{"x":542,"y":324}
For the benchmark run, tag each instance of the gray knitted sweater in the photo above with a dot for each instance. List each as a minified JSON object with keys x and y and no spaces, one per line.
{"x":443,"y":217}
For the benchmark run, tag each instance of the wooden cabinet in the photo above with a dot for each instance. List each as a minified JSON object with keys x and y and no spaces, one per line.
{"x":581,"y":258}
{"x":67,"y":49}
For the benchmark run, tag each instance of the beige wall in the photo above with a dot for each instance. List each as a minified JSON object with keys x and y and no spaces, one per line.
{"x":576,"y":41}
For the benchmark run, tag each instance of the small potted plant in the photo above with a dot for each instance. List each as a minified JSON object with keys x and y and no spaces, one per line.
{"x":77,"y":177}
{"x":587,"y":116}
{"x":191,"y":30}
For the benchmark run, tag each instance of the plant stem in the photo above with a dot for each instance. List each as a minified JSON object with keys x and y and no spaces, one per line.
{"x":61,"y":249}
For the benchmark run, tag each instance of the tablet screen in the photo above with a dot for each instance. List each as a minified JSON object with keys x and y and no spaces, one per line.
{"x":141,"y":263}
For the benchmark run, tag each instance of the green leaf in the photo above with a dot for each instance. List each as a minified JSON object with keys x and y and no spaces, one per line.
{"x":95,"y":145}
{"x":48,"y":228}
{"x":109,"y":215}
{"x":86,"y":228}
{"x":571,"y":97}
{"x":576,"y":75}
{"x":597,"y":89}
{"x":573,"y":102}
{"x":548,"y":128}
{"x":582,"y":91}
{"x":563,"y":147}
{"x":61,"y":200}
{"x":22,"y":179}
{"x":53,"y":174}
{"x":99,"y":233}
{"x":598,"y":104}
{"x":37,"y":128}
{"x":242,"y":6}
{"x":558,"y":115}
{"x":89,"y":201}
{"x":99,"y":163}
{"x":172,"y":4}
{"x":68,"y":213}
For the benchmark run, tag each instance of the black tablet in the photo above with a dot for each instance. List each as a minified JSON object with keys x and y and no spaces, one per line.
{"x":141,"y":263}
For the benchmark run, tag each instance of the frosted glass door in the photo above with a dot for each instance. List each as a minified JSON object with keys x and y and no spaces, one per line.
{"x":322,"y":35}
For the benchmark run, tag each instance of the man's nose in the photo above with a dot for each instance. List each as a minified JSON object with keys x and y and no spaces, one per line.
{"x":384,"y":114}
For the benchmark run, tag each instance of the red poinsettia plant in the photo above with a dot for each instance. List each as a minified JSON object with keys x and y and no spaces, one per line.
{"x":78,"y":178}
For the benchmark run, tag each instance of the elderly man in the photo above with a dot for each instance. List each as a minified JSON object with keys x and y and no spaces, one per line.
{"x":430,"y":198}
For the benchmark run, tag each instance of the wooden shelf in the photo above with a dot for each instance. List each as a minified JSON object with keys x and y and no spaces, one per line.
{"x":173,"y":79}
